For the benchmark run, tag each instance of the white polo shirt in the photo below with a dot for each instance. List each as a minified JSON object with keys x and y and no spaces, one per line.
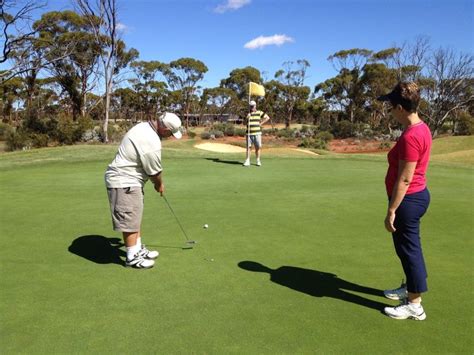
{"x":138,"y":157}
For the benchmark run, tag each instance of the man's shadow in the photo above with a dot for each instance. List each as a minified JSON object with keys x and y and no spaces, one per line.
{"x":98,"y":249}
{"x":317,"y":283}
{"x":218,"y":160}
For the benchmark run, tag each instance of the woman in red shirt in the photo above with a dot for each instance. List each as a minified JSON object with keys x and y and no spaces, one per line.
{"x":409,"y":199}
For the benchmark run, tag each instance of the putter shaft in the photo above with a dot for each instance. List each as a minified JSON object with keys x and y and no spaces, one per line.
{"x":188,"y":241}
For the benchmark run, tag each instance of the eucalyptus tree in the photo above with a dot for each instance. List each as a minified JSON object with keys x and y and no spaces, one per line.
{"x":102,"y":16}
{"x":345,"y":91}
{"x":126,"y":102}
{"x":150,"y":91}
{"x":411,"y":59}
{"x":182,"y":76}
{"x":60,"y":30}
{"x":377,"y":80}
{"x":238,"y":81}
{"x":217,"y":100}
{"x":449,"y":86}
{"x":292,"y":76}
{"x":10,"y":92}
{"x":16,"y":20}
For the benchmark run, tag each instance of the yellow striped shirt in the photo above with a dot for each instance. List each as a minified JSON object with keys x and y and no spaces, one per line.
{"x":253,"y":125}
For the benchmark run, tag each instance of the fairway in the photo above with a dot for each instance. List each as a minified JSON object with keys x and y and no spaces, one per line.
{"x":294,"y":260}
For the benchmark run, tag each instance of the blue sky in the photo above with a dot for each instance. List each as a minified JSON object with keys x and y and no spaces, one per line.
{"x":216,"y":31}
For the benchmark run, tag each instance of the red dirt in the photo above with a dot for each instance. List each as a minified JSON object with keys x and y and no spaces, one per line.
{"x":354,"y":145}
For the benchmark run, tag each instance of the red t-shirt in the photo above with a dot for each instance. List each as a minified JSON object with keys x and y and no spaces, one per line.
{"x":413,"y":145}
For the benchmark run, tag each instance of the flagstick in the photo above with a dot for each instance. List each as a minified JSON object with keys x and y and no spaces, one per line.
{"x":248,"y":128}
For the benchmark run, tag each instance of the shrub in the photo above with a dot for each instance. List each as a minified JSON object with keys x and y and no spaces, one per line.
{"x":39,"y":140}
{"x":363,"y":130}
{"x":216,"y":133}
{"x":229,"y":130}
{"x":5,"y":129}
{"x":66,"y":132}
{"x":91,"y":135}
{"x":315,"y":143}
{"x":465,"y":126}
{"x":218,"y":126}
{"x":115,"y":133}
{"x":286,"y":133}
{"x":240,"y":132}
{"x":342,"y":129}
{"x":191,"y":134}
{"x":385,"y":145}
{"x":17,"y":139}
{"x":206,"y":135}
{"x":324,"y":136}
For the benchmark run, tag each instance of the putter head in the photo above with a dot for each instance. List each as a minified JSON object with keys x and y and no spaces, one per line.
{"x":191,"y":242}
{"x":186,"y":247}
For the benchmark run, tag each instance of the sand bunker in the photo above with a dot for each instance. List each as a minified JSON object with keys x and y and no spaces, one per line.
{"x":220,"y":147}
{"x":306,"y":151}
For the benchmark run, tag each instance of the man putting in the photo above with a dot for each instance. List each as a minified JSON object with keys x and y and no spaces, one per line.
{"x":138,"y":160}
{"x":255,"y":119}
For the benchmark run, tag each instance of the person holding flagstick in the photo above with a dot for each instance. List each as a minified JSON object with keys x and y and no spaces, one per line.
{"x":255,"y":119}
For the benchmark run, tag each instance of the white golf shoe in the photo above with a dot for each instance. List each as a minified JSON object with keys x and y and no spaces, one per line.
{"x":259,"y":163}
{"x":246,"y":163}
{"x":140,"y":262}
{"x":397,"y":294}
{"x":148,"y":254}
{"x":406,"y":311}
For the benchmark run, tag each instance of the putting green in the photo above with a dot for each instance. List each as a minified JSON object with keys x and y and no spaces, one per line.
{"x":293,"y":261}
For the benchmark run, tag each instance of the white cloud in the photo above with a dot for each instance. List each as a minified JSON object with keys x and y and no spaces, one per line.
{"x":231,"y":5}
{"x":120,"y":27}
{"x":261,"y":41}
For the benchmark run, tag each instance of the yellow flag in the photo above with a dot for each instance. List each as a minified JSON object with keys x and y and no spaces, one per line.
{"x":256,"y":89}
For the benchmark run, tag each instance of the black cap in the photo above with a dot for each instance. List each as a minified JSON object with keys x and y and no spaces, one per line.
{"x":393,"y":96}
{"x":405,"y":94}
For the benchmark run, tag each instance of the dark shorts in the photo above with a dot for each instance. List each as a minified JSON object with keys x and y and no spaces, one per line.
{"x":126,"y":207}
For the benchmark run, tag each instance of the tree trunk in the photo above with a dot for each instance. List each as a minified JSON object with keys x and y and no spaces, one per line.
{"x":107,"y":108}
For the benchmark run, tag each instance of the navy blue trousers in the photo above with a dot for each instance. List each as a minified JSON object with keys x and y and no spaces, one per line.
{"x":407,"y":241}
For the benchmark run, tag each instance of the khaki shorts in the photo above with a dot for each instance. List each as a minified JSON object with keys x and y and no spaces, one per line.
{"x":126,"y":207}
{"x":255,"y":140}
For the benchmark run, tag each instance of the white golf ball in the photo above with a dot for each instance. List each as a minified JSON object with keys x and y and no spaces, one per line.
{"x":206,"y":226}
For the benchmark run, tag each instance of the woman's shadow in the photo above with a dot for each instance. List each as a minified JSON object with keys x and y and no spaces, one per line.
{"x":98,"y":249}
{"x":317,"y":283}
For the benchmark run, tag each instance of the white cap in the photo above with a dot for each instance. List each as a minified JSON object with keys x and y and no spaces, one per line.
{"x":172,"y":122}
{"x":253,"y":103}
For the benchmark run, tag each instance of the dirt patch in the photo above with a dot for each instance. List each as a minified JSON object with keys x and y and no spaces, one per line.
{"x":220,"y":147}
{"x":354,"y":145}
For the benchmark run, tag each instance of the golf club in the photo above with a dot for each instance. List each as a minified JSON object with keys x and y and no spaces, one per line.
{"x":188,"y":241}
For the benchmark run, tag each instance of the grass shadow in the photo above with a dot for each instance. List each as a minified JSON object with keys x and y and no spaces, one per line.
{"x":98,"y":249}
{"x":317,"y":283}
{"x":218,"y":160}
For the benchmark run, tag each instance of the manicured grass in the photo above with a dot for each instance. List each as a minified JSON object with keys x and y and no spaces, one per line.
{"x":298,"y":246}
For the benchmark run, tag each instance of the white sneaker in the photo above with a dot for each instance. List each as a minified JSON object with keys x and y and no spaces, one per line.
{"x":140,"y":262}
{"x":246,"y":163}
{"x":397,"y":294}
{"x":406,"y":311}
{"x":259,"y":163}
{"x":148,"y":254}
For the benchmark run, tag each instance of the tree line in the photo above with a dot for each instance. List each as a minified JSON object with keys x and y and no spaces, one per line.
{"x":57,"y":65}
